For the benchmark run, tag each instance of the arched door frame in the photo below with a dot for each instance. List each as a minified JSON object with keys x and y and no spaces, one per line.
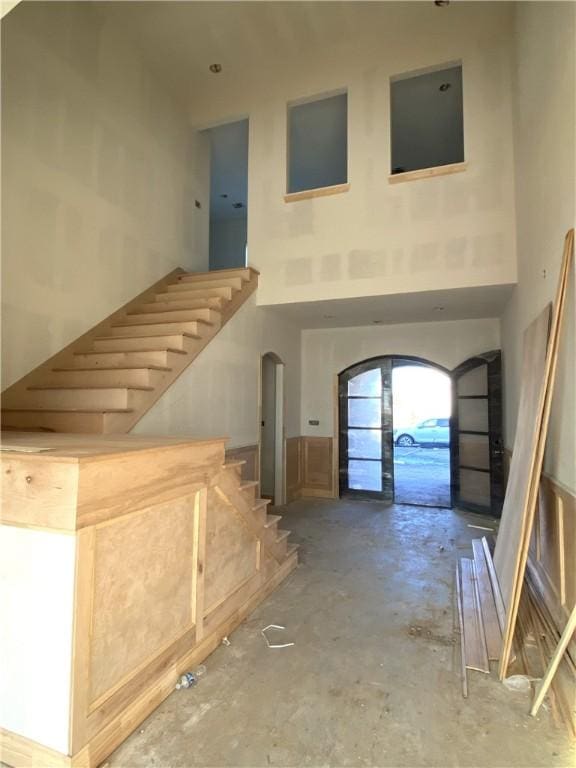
{"x":279,"y":441}
{"x":349,"y":372}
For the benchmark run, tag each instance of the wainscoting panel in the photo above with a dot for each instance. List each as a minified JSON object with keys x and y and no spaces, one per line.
{"x":310,"y":467}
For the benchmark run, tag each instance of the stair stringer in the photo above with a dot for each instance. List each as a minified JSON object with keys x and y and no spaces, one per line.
{"x":241,"y":556}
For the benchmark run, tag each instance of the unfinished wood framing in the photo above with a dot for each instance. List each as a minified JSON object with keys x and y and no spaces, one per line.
{"x":173,"y":550}
{"x":474,"y":643}
{"x":309,"y":194}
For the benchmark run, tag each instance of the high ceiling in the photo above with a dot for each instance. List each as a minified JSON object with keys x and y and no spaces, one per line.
{"x":182,"y":39}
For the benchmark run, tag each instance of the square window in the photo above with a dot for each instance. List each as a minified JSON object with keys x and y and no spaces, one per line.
{"x":427,"y":122}
{"x":318,"y":143}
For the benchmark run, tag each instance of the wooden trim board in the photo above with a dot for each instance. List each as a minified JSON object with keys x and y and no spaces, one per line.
{"x":475,"y":652}
{"x":427,"y":173}
{"x":309,"y":194}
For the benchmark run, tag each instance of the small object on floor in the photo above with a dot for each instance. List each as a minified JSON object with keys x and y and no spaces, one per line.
{"x":186,"y":681}
{"x":274,"y":645}
{"x":225,"y":641}
{"x":201,"y":671}
{"x":481,"y":527}
{"x":519,"y":683}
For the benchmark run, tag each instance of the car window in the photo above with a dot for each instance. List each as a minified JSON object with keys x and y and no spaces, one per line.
{"x":429,"y":423}
{"x":442,"y":422}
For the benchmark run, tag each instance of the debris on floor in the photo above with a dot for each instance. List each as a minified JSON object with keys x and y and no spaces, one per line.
{"x":225,"y":641}
{"x":186,"y":680}
{"x":274,"y":645}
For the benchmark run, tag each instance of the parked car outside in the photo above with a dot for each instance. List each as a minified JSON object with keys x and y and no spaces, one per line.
{"x":430,"y":432}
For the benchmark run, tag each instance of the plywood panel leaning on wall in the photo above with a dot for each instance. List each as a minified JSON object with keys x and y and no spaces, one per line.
{"x":538,"y":373}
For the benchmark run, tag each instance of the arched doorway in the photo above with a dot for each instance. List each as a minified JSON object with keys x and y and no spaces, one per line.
{"x":395,"y":453}
{"x":272,"y":429}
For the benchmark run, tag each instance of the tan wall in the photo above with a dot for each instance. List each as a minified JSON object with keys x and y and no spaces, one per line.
{"x":544,"y":133}
{"x":380,"y":238}
{"x":100,"y":171}
{"x":218,"y":395}
{"x":326,"y":352}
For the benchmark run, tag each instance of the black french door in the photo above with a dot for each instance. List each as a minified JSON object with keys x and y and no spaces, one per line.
{"x":476,"y":440}
{"x":365,"y":428}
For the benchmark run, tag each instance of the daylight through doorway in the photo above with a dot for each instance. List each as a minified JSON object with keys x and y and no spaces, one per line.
{"x":421,"y":398}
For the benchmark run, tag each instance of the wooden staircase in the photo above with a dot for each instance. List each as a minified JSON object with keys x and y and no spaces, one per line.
{"x":105,"y":381}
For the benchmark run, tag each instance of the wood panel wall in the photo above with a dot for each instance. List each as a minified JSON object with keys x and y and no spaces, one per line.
{"x":551,"y":587}
{"x":310,"y":468}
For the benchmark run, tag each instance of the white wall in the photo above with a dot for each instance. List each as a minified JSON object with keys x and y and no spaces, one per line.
{"x":379,"y":238}
{"x":326,"y":352}
{"x":100,"y":171}
{"x":36,"y":605}
{"x":544,"y":133}
{"x":218,"y":394}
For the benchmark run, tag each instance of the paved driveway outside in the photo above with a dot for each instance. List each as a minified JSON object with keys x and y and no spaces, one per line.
{"x":422,"y":476}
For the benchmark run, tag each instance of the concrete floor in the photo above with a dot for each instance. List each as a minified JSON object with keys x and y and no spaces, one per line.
{"x":373,"y":678}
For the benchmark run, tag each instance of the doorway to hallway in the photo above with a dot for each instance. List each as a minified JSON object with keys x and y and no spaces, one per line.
{"x":228,"y":245}
{"x":272,"y":429}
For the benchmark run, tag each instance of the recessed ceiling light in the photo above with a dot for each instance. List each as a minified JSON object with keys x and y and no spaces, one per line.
{"x":215,"y":68}
{"x":377,"y":322}
{"x":445,"y":87}
{"x":441,"y":3}
{"x":329,"y":317}
{"x":439,"y":309}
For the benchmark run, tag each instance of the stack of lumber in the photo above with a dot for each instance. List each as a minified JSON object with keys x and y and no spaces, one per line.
{"x":489,"y":589}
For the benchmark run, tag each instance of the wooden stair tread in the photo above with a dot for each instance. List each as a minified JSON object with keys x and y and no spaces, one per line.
{"x":229,"y":272}
{"x":248,"y":484}
{"x":234,"y":463}
{"x":161,"y":322}
{"x":271,"y":519}
{"x":282,"y":535}
{"x":91,"y":386}
{"x":125,"y":351}
{"x":291,"y":549}
{"x":152,"y":307}
{"x":261,"y":503}
{"x":67,"y":410}
{"x":113,"y":367}
{"x":149,"y":336}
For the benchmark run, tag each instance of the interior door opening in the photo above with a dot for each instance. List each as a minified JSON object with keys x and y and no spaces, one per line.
{"x":272,"y":429}
{"x":421,"y":410}
{"x":228,"y":244}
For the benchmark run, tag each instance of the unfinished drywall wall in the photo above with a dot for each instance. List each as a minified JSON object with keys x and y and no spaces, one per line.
{"x":326,"y":352}
{"x":36,"y":595}
{"x":379,"y":238}
{"x":544,"y":134}
{"x":100,"y":171}
{"x":218,"y":395}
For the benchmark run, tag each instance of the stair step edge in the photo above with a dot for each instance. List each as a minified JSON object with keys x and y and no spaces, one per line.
{"x":162,"y":322}
{"x":114,"y":368}
{"x":149,"y":336}
{"x":81,"y":387}
{"x":282,"y":535}
{"x":271,"y":519}
{"x":67,"y":410}
{"x":125,"y":351}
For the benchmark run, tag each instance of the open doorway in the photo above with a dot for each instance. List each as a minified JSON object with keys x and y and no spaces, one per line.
{"x":228,"y":248}
{"x":421,"y":410}
{"x":389,"y":449}
{"x":272,"y":429}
